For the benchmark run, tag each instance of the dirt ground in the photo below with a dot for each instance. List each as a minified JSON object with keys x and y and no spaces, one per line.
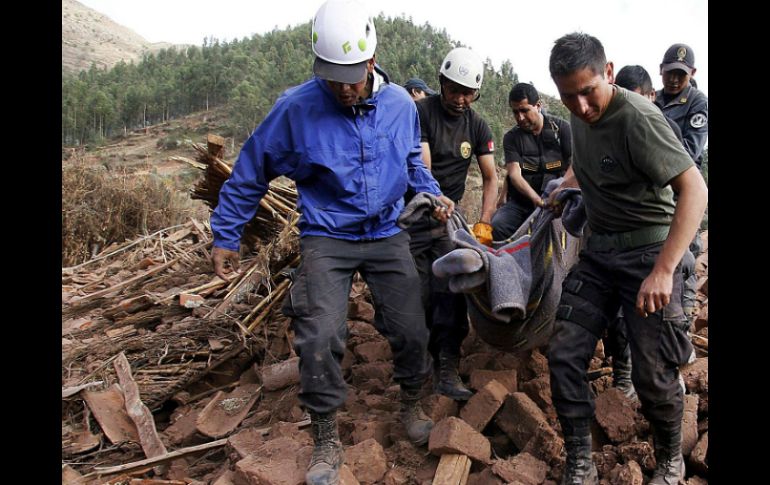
{"x":507,"y":433}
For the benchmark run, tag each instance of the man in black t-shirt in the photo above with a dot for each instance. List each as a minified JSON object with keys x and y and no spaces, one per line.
{"x":537,"y":151}
{"x":451,"y":133}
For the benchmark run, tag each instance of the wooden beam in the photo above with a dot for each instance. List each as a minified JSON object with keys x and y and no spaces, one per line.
{"x":453,"y":469}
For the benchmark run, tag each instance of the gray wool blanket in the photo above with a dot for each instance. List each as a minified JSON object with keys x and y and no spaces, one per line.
{"x":504,"y":272}
{"x":513,"y":289}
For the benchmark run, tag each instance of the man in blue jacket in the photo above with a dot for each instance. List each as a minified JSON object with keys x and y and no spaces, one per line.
{"x":351,"y":141}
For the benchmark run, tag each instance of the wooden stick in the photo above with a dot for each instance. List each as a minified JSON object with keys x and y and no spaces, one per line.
{"x":269,"y":300}
{"x":135,"y":279}
{"x":134,"y":243}
{"x":98,"y":471}
{"x":226,"y":302}
{"x":215,"y":283}
{"x":93,"y":373}
{"x":157,"y":460}
{"x":265,"y":314}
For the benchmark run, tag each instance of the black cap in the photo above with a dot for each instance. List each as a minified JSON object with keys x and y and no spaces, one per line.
{"x":418,"y":83}
{"x":679,"y":56}
{"x":342,"y":73}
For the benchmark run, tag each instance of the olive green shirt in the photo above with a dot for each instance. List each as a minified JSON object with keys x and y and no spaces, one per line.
{"x":624,"y":163}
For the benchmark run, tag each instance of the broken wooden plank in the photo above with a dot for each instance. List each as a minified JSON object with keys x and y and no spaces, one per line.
{"x":453,"y":469}
{"x":139,"y":413}
{"x":215,"y":145}
{"x":226,"y":411}
{"x":110,"y":412}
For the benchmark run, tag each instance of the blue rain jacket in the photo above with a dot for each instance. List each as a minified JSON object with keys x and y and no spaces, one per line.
{"x":351,"y":165}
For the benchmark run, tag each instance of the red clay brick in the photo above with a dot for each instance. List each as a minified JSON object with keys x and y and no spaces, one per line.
{"x":374,"y":351}
{"x":522,"y":468}
{"x":453,"y":435}
{"x":367,"y":461}
{"x":438,"y":407}
{"x":520,"y":418}
{"x":616,"y":414}
{"x":483,"y":405}
{"x":282,"y":461}
{"x":508,"y":378}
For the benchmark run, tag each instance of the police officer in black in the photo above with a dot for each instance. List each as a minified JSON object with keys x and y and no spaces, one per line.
{"x":451,"y":134}
{"x":537,"y":150}
{"x":683,"y":102}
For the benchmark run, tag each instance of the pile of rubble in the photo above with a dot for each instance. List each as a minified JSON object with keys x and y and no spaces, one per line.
{"x":173,"y":376}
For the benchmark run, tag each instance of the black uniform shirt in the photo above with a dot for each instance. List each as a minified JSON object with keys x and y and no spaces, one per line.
{"x":542,"y":157}
{"x":690,"y":110}
{"x":452,"y":140}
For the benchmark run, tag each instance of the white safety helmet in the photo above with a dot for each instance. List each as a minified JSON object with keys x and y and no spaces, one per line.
{"x":463,"y":66}
{"x":343,"y":40}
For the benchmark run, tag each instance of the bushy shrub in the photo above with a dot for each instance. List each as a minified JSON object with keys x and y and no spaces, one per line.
{"x":101,"y":207}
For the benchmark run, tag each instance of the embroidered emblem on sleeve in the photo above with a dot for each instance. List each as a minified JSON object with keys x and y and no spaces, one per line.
{"x":698,"y":120}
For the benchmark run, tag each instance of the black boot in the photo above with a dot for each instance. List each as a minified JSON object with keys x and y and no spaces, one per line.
{"x":446,"y":379}
{"x":668,"y":454}
{"x":580,"y":468}
{"x":621,"y":376}
{"x":324,"y":467}
{"x":418,"y":425}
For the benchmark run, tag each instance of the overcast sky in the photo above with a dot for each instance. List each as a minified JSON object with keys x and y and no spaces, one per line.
{"x":633,"y":32}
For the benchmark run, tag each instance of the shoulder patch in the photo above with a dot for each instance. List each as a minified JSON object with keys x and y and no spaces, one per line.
{"x":491,"y":145}
{"x":698,"y":120}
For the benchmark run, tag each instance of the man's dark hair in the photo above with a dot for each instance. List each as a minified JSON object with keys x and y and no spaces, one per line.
{"x":522,"y":91}
{"x":576,"y":51}
{"x":632,"y":77}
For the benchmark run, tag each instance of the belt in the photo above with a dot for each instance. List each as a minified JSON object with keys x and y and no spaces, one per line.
{"x":627,"y":240}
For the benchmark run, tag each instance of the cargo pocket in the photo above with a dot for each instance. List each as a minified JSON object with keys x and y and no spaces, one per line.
{"x":675,"y":345}
{"x":295,"y":304}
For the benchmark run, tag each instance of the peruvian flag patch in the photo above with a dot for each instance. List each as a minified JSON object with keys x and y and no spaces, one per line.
{"x":491,"y":145}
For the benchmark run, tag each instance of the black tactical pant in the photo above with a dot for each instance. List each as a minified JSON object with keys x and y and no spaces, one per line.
{"x":597,"y":286}
{"x":318,"y":305}
{"x":508,"y":217}
{"x":446,"y":313}
{"x":616,"y":342}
